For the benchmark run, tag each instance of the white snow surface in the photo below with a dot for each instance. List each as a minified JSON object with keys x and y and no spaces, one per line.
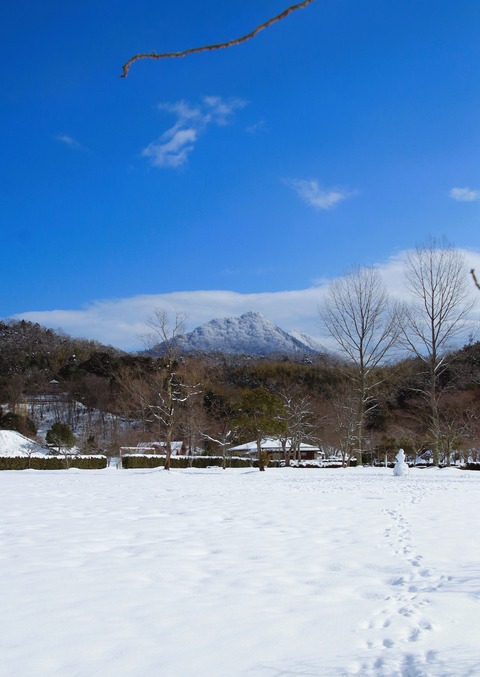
{"x":15,"y":444}
{"x":237,"y":573}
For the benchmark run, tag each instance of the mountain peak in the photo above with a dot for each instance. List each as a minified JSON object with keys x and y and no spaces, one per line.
{"x":249,"y":334}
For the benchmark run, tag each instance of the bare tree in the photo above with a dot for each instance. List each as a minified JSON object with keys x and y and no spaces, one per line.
{"x":224,"y":440}
{"x":457,"y":420}
{"x":191,"y":413}
{"x":14,"y":390}
{"x":345,"y":421}
{"x":475,"y":278}
{"x":219,"y":45}
{"x":222,"y":413}
{"x":359,"y":316}
{"x":160,"y":392}
{"x":436,"y":277}
{"x":297,"y":423}
{"x":410,"y":436}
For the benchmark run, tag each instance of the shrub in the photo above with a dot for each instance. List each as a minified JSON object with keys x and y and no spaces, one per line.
{"x":13,"y":463}
{"x":236,"y":462}
{"x":270,"y":464}
{"x":60,"y":435}
{"x":89,"y":462}
{"x":180,"y":462}
{"x":48,"y":463}
{"x":52,"y":462}
{"x":130,"y":461}
{"x":207,"y":462}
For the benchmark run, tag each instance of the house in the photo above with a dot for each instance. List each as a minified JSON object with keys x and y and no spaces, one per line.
{"x":178,"y":448}
{"x":273,"y":446}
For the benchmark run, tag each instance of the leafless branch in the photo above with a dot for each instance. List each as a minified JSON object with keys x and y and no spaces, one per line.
{"x":220,"y":45}
{"x":477,"y":283}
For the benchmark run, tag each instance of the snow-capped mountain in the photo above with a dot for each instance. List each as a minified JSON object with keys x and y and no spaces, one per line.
{"x":313,"y":343}
{"x":249,"y":334}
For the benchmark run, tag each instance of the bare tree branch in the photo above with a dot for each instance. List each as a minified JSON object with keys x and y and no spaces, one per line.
{"x":436,"y":277}
{"x":360,"y":318}
{"x":220,"y":45}
{"x":477,"y":283}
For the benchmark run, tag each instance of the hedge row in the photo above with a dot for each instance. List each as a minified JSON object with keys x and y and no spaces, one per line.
{"x":52,"y":462}
{"x":271,"y":464}
{"x":130,"y":461}
{"x":473,"y":465}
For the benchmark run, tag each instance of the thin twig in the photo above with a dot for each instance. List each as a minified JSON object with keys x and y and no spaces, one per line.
{"x":477,"y":283}
{"x":220,"y":45}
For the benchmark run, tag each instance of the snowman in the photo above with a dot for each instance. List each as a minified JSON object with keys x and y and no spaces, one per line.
{"x":401,"y":468}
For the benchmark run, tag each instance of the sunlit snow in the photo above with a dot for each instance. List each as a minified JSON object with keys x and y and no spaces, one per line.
{"x":13,"y":443}
{"x":236,"y":573}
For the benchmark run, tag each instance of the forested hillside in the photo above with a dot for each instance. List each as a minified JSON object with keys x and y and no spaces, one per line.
{"x":112,"y":398}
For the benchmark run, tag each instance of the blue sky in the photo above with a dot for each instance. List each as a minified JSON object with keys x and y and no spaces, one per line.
{"x":229,"y":180}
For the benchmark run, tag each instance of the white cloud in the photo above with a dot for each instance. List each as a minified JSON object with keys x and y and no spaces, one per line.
{"x":464,"y":194}
{"x":182,"y":109}
{"x":174,"y":146}
{"x":256,"y":127}
{"x":68,"y":141}
{"x":310,"y":191}
{"x":220,"y":111}
{"x":173,"y":149}
{"x":120,"y":322}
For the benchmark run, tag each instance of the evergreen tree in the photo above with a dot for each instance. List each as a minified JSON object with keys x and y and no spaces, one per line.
{"x":60,"y":435}
{"x":261,"y":415}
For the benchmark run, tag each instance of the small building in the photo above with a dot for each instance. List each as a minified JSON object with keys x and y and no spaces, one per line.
{"x":178,"y":447}
{"x":274,"y":448}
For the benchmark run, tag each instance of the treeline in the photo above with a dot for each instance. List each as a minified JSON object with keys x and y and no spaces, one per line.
{"x":114,"y":399}
{"x":32,"y":355}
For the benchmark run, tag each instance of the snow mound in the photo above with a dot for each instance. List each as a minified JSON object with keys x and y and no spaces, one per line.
{"x":15,"y":444}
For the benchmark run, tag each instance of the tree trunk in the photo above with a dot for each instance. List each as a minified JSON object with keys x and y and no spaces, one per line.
{"x":168,"y":448}
{"x":434,"y":411}
{"x":261,"y":456}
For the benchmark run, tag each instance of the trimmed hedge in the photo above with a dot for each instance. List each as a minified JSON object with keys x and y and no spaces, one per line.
{"x":270,"y":464}
{"x":14,"y":463}
{"x":236,"y":462}
{"x":130,"y":461}
{"x":473,"y":465}
{"x":89,"y":462}
{"x":135,"y":461}
{"x":52,"y":462}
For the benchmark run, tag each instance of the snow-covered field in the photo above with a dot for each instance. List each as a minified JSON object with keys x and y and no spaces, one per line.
{"x":238,"y":573}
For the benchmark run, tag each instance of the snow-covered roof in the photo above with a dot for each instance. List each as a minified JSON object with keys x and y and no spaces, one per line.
{"x":177,"y":446}
{"x":271,"y":444}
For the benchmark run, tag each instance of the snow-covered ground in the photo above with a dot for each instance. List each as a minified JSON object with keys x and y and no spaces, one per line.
{"x":211,"y":573}
{"x":15,"y":444}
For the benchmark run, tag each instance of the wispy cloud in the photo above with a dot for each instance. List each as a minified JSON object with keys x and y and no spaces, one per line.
{"x":176,"y":143}
{"x":256,"y":127}
{"x":310,"y":191}
{"x":465,"y":194}
{"x":68,"y":141}
{"x":119,"y":322}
